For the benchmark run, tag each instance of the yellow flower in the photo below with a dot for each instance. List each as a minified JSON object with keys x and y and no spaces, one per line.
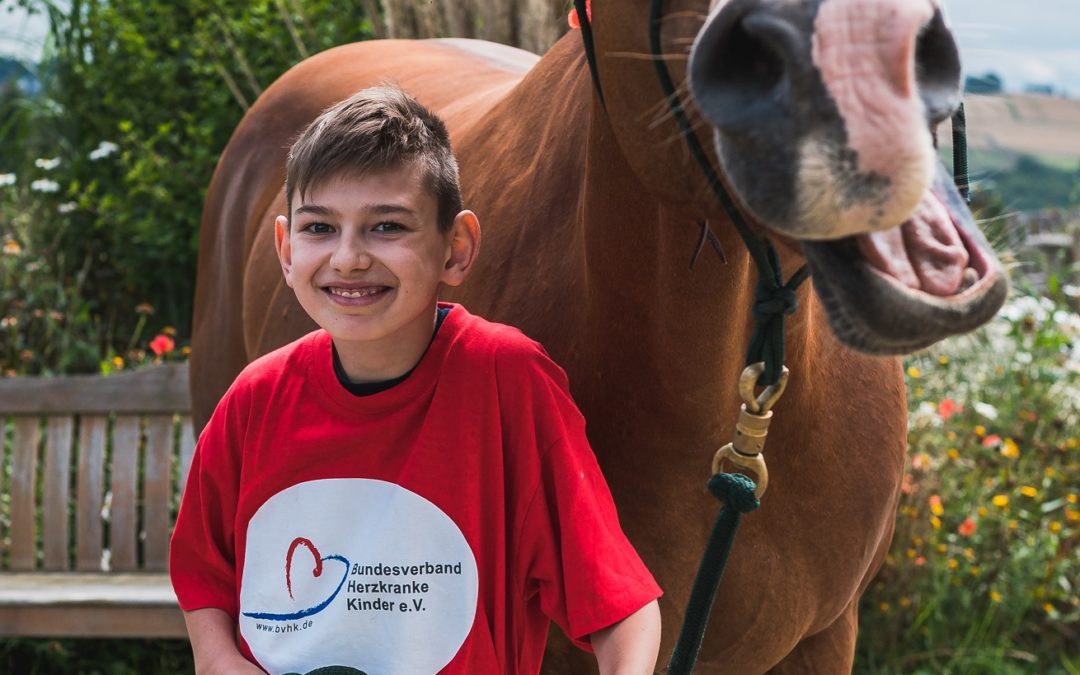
{"x":942,"y":548}
{"x":982,"y":511}
{"x":969,"y":553}
{"x":975,"y":570}
{"x":995,"y":596}
{"x":935,"y":505}
{"x":913,"y":372}
{"x":1009,"y":449}
{"x":884,"y":608}
{"x":1055,"y":527}
{"x":953,"y":564}
{"x":1048,"y":608}
{"x":1071,"y":498}
{"x":12,"y":247}
{"x":980,"y":430}
{"x":1072,"y":515}
{"x":1073,"y":443}
{"x":943,"y":360}
{"x":185,"y":351}
{"x":168,"y":330}
{"x":1050,"y":472}
{"x":911,"y":553}
{"x":935,"y":522}
{"x":1029,"y":491}
{"x":950,"y":436}
{"x":953,"y":454}
{"x":1001,"y":501}
{"x":1013,"y":524}
{"x":905,"y":602}
{"x":118,"y":362}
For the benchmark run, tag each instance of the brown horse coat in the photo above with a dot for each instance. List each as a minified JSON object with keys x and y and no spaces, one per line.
{"x":590,"y":218}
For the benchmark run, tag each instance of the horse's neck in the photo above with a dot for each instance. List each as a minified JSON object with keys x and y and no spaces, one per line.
{"x":638,"y":256}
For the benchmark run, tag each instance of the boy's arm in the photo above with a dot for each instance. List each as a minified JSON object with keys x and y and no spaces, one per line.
{"x":629,"y":647}
{"x":213,"y":642}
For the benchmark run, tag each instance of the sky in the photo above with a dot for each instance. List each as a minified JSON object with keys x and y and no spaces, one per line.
{"x":1023,"y":41}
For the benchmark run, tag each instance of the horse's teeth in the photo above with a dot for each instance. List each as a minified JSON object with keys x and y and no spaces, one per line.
{"x":969,"y":279}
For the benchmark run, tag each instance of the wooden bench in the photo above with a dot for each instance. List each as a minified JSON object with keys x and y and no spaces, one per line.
{"x":92,"y":471}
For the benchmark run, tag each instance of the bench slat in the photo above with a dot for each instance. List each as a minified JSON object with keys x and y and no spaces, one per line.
{"x":46,"y":604}
{"x":122,"y":518}
{"x":23,"y":484}
{"x":57,"y":481}
{"x":162,"y":389}
{"x":91,"y":493}
{"x":187,"y":452}
{"x":157,"y":492}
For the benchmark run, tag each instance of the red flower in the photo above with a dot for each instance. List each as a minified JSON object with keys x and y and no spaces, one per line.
{"x":162,"y":344}
{"x":967,"y":528}
{"x":573,"y":16}
{"x":947,"y":407}
{"x":992,"y":439}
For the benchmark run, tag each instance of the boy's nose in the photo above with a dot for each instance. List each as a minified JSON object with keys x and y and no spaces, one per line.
{"x":350,"y":254}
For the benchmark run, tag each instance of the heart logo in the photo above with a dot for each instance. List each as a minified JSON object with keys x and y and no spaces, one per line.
{"x":297,"y":543}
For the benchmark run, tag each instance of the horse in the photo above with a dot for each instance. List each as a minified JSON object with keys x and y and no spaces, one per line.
{"x":820,"y":116}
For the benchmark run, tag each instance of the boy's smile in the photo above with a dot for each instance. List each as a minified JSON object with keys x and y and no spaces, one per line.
{"x":365,"y":257}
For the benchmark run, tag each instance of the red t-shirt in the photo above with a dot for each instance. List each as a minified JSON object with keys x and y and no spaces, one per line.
{"x":436,"y":526}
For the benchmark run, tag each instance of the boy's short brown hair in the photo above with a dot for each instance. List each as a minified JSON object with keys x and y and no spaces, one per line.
{"x":376,"y":129}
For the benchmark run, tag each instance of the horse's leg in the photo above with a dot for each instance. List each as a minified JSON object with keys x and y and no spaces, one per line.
{"x":831,"y":651}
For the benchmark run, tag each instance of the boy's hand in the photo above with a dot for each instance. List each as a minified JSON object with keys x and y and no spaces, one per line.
{"x":213,"y":643}
{"x":629,"y":647}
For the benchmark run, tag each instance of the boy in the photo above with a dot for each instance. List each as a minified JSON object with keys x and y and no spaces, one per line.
{"x":409,"y":489}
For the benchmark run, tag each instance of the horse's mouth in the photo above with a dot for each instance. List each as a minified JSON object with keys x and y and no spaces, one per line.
{"x":900,"y":290}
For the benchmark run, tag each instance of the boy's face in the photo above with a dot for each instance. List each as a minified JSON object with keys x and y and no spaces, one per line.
{"x":365,"y":257}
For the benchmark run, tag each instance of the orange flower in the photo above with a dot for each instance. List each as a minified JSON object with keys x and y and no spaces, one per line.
{"x":967,"y":528}
{"x":908,"y":486}
{"x":573,"y":16}
{"x":162,"y":344}
{"x":947,"y":408}
{"x":992,"y":439}
{"x":920,"y":561}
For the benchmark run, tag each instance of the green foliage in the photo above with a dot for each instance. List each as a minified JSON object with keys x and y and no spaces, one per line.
{"x":95,"y":657}
{"x":139,"y":97}
{"x":983,"y":575}
{"x":1029,"y":183}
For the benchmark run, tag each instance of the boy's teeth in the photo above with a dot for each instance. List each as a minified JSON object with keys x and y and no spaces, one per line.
{"x":353,"y":294}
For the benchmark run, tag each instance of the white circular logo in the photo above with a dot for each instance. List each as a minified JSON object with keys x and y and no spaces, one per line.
{"x":356,"y":574}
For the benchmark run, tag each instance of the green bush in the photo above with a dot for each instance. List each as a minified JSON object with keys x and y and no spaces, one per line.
{"x":983,"y":576}
{"x":111,"y":161}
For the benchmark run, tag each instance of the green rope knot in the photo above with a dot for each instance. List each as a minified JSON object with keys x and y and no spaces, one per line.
{"x":735,"y":490}
{"x":771,"y":301}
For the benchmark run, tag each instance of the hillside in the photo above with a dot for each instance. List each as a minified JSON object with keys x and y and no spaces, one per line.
{"x":1047,"y":127}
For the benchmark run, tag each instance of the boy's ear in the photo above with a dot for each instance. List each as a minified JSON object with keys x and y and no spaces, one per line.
{"x":462,"y":247}
{"x":284,"y":247}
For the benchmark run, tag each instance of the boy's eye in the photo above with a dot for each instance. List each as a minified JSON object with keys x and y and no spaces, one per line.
{"x":318,"y":228}
{"x":388,"y":227}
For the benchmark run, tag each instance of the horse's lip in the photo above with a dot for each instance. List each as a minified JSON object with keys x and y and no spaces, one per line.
{"x":874,"y":313}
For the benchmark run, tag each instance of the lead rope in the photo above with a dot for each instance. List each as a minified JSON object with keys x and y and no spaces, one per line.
{"x":773,"y":300}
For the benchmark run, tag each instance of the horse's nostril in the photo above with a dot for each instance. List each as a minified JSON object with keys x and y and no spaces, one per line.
{"x":737,"y":68}
{"x":937,"y":69}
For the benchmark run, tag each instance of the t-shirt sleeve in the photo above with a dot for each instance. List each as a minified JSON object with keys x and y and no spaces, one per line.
{"x":577,"y":560}
{"x":202,"y":559}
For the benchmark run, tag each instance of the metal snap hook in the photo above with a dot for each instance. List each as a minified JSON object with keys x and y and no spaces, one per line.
{"x":763,"y":402}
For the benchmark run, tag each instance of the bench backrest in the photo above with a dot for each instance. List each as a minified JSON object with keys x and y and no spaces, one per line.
{"x":93,"y":468}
